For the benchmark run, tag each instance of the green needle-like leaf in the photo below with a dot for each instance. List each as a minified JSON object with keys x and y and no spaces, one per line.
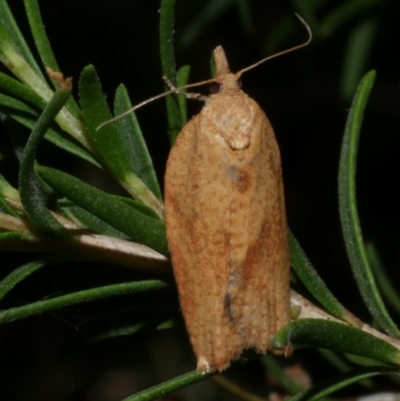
{"x":131,"y":138}
{"x":168,"y":65}
{"x":182,"y":80}
{"x":110,"y":144}
{"x":10,"y":236}
{"x":345,"y":11}
{"x":32,"y":197}
{"x":126,"y":322}
{"x":338,"y":337}
{"x":16,"y":89}
{"x":313,"y":282}
{"x":386,"y":284}
{"x":44,"y":48}
{"x":27,"y":116}
{"x":335,"y":360}
{"x":89,"y":220}
{"x":13,"y":34}
{"x":246,"y":17}
{"x":77,"y":298}
{"x":348,"y":210}
{"x":19,"y":274}
{"x":330,"y":386}
{"x":6,"y":208}
{"x":209,"y":13}
{"x":138,"y":226}
{"x":363,"y":361}
{"x":161,"y":390}
{"x":338,"y":362}
{"x":358,"y":49}
{"x":8,"y":191}
{"x":39,"y":34}
{"x":14,"y":107}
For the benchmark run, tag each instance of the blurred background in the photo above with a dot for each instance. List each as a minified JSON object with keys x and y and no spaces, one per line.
{"x":306,"y":96}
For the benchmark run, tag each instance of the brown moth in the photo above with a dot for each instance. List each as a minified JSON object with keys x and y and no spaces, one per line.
{"x":226,"y":226}
{"x":226,"y":222}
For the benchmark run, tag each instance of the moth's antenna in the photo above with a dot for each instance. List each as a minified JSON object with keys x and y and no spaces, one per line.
{"x":239,"y":73}
{"x":175,"y":90}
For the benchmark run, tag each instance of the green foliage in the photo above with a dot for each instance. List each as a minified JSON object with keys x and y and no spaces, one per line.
{"x":136,"y":222}
{"x":332,"y":335}
{"x":54,"y":213}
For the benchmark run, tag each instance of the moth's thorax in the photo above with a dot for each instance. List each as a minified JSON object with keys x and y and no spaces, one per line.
{"x":229,"y":117}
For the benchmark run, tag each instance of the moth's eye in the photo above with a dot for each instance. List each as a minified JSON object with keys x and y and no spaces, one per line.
{"x":239,"y":84}
{"x":215,"y":88}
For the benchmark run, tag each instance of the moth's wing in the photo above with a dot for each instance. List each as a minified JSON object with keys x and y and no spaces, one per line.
{"x":226,"y":230}
{"x":195,"y":211}
{"x":260,"y":296}
{"x":178,"y":218}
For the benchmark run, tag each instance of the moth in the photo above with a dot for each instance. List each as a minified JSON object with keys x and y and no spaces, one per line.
{"x":226,"y":225}
{"x":226,"y":222}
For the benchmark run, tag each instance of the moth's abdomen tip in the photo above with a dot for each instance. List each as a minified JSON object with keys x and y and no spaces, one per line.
{"x":204,"y":365}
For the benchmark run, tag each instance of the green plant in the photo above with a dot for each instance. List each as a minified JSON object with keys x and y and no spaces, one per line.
{"x":64,"y":219}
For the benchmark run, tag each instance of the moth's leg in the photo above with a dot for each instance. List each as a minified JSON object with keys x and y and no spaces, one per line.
{"x":189,"y":95}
